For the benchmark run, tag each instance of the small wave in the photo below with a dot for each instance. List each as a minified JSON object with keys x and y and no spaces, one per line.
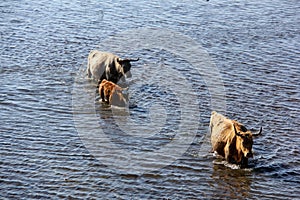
{"x":226,"y":164}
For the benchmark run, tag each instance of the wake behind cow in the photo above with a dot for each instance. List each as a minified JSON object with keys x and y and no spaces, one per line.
{"x":231,"y":139}
{"x":104,"y":65}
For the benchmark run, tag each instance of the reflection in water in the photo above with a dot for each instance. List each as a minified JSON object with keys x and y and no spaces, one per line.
{"x":147,"y":126}
{"x":231,"y":183}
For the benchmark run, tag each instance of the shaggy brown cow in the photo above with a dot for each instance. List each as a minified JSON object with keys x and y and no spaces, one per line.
{"x":103,"y":65}
{"x":113,"y":94}
{"x":231,"y":139}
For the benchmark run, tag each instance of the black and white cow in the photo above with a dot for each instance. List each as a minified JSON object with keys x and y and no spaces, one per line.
{"x":104,"y":65}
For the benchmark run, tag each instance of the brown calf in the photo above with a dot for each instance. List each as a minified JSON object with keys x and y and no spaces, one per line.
{"x":113,"y":94}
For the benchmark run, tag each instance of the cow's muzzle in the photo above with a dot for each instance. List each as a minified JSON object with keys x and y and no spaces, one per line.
{"x":249,"y":155}
{"x":128,"y":74}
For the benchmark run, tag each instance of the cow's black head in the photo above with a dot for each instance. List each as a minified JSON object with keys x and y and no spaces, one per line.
{"x":245,"y":139}
{"x":126,"y":66}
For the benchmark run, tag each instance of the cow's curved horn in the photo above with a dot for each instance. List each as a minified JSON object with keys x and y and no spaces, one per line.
{"x":134,"y":60}
{"x":127,"y":60}
{"x":258,"y":133}
{"x":235,"y":131}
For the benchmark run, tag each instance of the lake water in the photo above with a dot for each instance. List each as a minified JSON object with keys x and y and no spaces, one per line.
{"x":58,"y":141}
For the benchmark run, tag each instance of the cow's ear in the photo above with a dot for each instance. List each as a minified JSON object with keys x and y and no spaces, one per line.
{"x":119,"y":60}
{"x":238,"y":134}
{"x":125,"y":91}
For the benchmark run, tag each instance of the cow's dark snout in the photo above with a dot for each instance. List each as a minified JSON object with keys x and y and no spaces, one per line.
{"x":128,"y":74}
{"x":249,"y":155}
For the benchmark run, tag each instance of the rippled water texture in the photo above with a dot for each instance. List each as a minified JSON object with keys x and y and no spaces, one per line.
{"x":48,"y":106}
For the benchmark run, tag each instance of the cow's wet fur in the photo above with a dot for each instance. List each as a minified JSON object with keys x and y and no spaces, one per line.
{"x":105,"y":65}
{"x":231,"y":140}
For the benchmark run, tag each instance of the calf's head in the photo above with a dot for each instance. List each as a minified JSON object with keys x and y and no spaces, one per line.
{"x":120,"y":97}
{"x":244,"y":139}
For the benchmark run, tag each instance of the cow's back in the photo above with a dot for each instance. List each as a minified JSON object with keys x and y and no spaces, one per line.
{"x":98,"y":61}
{"x":220,"y":126}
